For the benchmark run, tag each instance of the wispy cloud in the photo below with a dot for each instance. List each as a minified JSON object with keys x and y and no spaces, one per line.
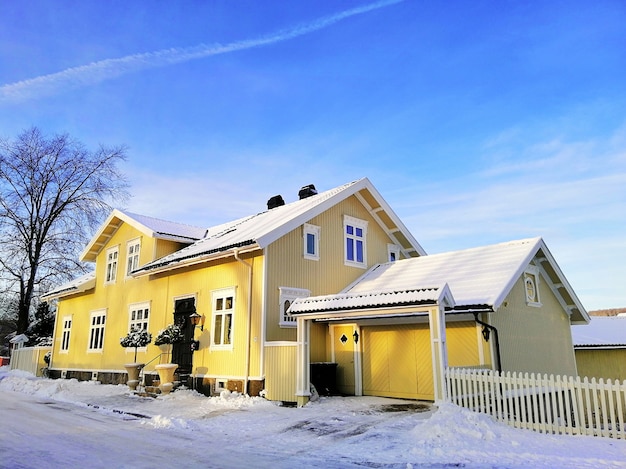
{"x":102,"y":70}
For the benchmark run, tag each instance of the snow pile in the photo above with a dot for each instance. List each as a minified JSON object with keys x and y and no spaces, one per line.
{"x":333,"y":432}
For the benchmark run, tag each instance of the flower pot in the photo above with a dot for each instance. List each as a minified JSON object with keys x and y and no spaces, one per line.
{"x":166,"y":376}
{"x":133,"y":370}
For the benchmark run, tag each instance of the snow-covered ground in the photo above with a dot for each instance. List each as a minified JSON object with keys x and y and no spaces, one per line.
{"x":66,"y":423}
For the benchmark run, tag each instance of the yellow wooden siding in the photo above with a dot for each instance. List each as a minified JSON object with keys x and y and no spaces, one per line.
{"x":160,"y":291}
{"x":280,"y":366}
{"x":602,"y":363}
{"x":319,"y":350}
{"x":287,"y":267}
{"x":534,"y":339}
{"x":463,"y":343}
{"x":344,"y":357}
{"x":397,"y":361}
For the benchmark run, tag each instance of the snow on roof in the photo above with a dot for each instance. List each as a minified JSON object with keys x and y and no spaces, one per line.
{"x":258,"y":231}
{"x":602,"y":331}
{"x":152,"y":227}
{"x":477,"y":276}
{"x":80,"y":284}
{"x":350,"y":300}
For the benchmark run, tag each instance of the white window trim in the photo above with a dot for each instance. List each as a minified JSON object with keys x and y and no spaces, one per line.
{"x":65,"y":329}
{"x":135,"y":307}
{"x":100,"y":312}
{"x":393,"y":249}
{"x":289,"y":294}
{"x":532,"y":274}
{"x":356,"y":223}
{"x":315,"y":231}
{"x":216,"y":294}
{"x":112,"y":279}
{"x":129,"y":245}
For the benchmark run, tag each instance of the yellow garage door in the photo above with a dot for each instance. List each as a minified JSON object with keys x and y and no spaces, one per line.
{"x":397,"y":361}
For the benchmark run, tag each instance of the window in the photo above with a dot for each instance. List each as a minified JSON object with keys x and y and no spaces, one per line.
{"x":132,"y":256}
{"x":393,"y":253}
{"x":223,"y":309}
{"x":286,"y":297}
{"x":96,"y":331}
{"x":311,"y":235}
{"x":138,"y":316}
{"x":65,"y":335}
{"x":111,"y":272}
{"x":355,"y":232}
{"x":531,"y":286}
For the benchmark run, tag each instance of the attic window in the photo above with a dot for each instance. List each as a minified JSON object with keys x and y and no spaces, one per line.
{"x":311,"y":238}
{"x":393,"y":252}
{"x":531,"y":287}
{"x":355,"y":236}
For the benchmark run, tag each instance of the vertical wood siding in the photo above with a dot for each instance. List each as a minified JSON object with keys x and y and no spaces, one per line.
{"x":280,"y":366}
{"x":602,"y":363}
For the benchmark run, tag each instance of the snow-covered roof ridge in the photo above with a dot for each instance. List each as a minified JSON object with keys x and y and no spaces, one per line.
{"x":261,"y":229}
{"x":166,"y":227}
{"x":601,"y":332}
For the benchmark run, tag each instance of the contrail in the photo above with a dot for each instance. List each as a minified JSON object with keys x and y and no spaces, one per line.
{"x":107,"y":69}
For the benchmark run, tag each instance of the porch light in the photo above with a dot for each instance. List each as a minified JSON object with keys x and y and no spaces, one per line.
{"x":355,"y":336}
{"x":196,"y":320}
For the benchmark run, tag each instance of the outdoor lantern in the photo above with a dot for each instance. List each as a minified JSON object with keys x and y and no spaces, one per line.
{"x":355,"y":336}
{"x":486,"y":333}
{"x":196,"y":320}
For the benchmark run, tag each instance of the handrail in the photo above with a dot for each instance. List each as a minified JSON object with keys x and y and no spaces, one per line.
{"x":143,"y":376}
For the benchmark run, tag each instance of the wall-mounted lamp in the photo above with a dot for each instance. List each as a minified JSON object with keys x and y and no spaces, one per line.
{"x":486,"y":333}
{"x":355,"y":336}
{"x":197,"y":320}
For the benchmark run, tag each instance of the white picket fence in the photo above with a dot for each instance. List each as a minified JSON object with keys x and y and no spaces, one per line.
{"x":544,"y":403}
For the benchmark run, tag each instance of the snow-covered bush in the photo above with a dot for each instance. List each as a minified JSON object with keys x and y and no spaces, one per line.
{"x":170,"y":335}
{"x":137,"y":337}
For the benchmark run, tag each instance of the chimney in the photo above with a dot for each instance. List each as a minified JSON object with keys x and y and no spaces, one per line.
{"x":307,"y":191}
{"x":275,"y":201}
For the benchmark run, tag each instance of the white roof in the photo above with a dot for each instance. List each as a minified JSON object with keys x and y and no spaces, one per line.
{"x":601,"y":332}
{"x":259,"y":230}
{"x":80,"y":284}
{"x":152,"y":227}
{"x":477,"y":277}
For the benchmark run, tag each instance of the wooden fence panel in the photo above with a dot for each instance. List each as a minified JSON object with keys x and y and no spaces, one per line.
{"x":545,"y":403}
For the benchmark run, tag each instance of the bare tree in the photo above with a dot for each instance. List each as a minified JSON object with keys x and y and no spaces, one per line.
{"x":53,"y":194}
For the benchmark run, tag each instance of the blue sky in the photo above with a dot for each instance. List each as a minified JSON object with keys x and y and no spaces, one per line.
{"x":479,"y":122}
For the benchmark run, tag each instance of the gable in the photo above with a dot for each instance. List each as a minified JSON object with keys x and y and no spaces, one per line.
{"x":152,"y":227}
{"x":260,"y":230}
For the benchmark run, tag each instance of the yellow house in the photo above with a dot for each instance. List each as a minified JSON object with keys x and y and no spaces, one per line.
{"x":266,"y":288}
{"x":240,"y":277}
{"x":600,"y":348}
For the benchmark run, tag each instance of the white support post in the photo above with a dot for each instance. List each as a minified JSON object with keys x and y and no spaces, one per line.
{"x":303,"y":366}
{"x":437,"y":321}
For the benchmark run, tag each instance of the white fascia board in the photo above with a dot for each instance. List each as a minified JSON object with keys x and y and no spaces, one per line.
{"x":497,"y":302}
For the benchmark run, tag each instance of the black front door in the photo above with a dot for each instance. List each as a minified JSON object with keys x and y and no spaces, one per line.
{"x":181,"y":351}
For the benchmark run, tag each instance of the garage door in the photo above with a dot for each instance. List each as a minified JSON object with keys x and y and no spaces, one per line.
{"x":397,"y":361}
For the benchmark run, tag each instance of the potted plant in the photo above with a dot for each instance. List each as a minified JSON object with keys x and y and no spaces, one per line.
{"x":137,"y":337}
{"x":168,"y":336}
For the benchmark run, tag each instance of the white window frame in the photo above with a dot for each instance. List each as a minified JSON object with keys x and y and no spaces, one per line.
{"x":97,"y":328}
{"x":138,"y":315}
{"x":112,"y":259}
{"x":66,"y":334}
{"x":353,"y":238}
{"x":222,"y":313}
{"x":531,"y":274}
{"x":288,"y":294}
{"x":393,"y":250}
{"x":133,"y":249}
{"x":314,"y":232}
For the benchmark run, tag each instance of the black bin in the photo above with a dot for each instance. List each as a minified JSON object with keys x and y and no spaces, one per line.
{"x":324,"y":378}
